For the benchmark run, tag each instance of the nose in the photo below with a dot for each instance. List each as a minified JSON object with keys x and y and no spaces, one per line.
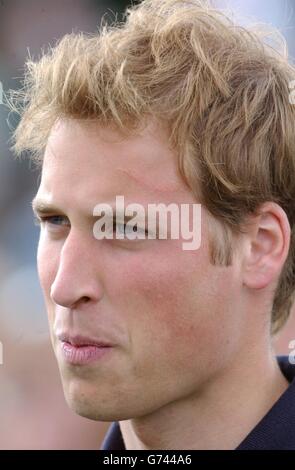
{"x":77,"y":279}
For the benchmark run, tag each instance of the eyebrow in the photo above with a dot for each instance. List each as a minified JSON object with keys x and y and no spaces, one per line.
{"x":42,"y":207}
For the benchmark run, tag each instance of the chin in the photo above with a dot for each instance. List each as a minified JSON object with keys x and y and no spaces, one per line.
{"x":93,"y":405}
{"x":86,"y":410}
{"x":97,"y":412}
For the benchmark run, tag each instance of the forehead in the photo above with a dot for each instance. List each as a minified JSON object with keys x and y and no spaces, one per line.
{"x":83,"y":158}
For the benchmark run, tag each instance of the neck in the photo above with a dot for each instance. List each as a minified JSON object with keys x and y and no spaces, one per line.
{"x":217,"y":416}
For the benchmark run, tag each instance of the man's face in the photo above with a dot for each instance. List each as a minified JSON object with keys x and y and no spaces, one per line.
{"x":172,"y":317}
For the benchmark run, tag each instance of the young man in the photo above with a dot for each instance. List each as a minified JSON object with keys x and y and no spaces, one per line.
{"x":177,"y":106}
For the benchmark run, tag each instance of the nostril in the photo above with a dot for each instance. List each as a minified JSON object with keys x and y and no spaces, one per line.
{"x":85,"y":299}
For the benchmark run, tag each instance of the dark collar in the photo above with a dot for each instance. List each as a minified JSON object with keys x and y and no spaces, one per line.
{"x":276,"y":431}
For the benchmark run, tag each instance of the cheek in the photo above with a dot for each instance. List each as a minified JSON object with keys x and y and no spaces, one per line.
{"x":177,"y":307}
{"x":164,"y":301}
{"x":47,"y":263}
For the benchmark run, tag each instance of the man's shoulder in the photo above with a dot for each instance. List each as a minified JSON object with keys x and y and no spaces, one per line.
{"x":276,"y":430}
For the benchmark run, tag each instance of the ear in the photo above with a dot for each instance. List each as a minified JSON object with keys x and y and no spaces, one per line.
{"x":267,"y":246}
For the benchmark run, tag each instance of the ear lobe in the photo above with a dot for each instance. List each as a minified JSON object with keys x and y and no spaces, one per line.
{"x":268,"y":243}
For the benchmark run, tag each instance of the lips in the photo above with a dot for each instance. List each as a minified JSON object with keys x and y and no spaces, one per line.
{"x":83,"y":350}
{"x":79,"y":341}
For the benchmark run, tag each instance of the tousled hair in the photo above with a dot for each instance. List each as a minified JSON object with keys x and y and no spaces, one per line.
{"x":221,"y":89}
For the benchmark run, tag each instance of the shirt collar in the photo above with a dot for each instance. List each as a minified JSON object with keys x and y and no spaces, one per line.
{"x":276,"y":430}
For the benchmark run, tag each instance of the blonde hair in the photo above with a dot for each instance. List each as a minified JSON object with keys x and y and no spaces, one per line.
{"x":221,"y":89}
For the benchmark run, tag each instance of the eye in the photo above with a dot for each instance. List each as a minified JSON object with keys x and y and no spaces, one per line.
{"x":52,"y":220}
{"x":127,"y":229}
